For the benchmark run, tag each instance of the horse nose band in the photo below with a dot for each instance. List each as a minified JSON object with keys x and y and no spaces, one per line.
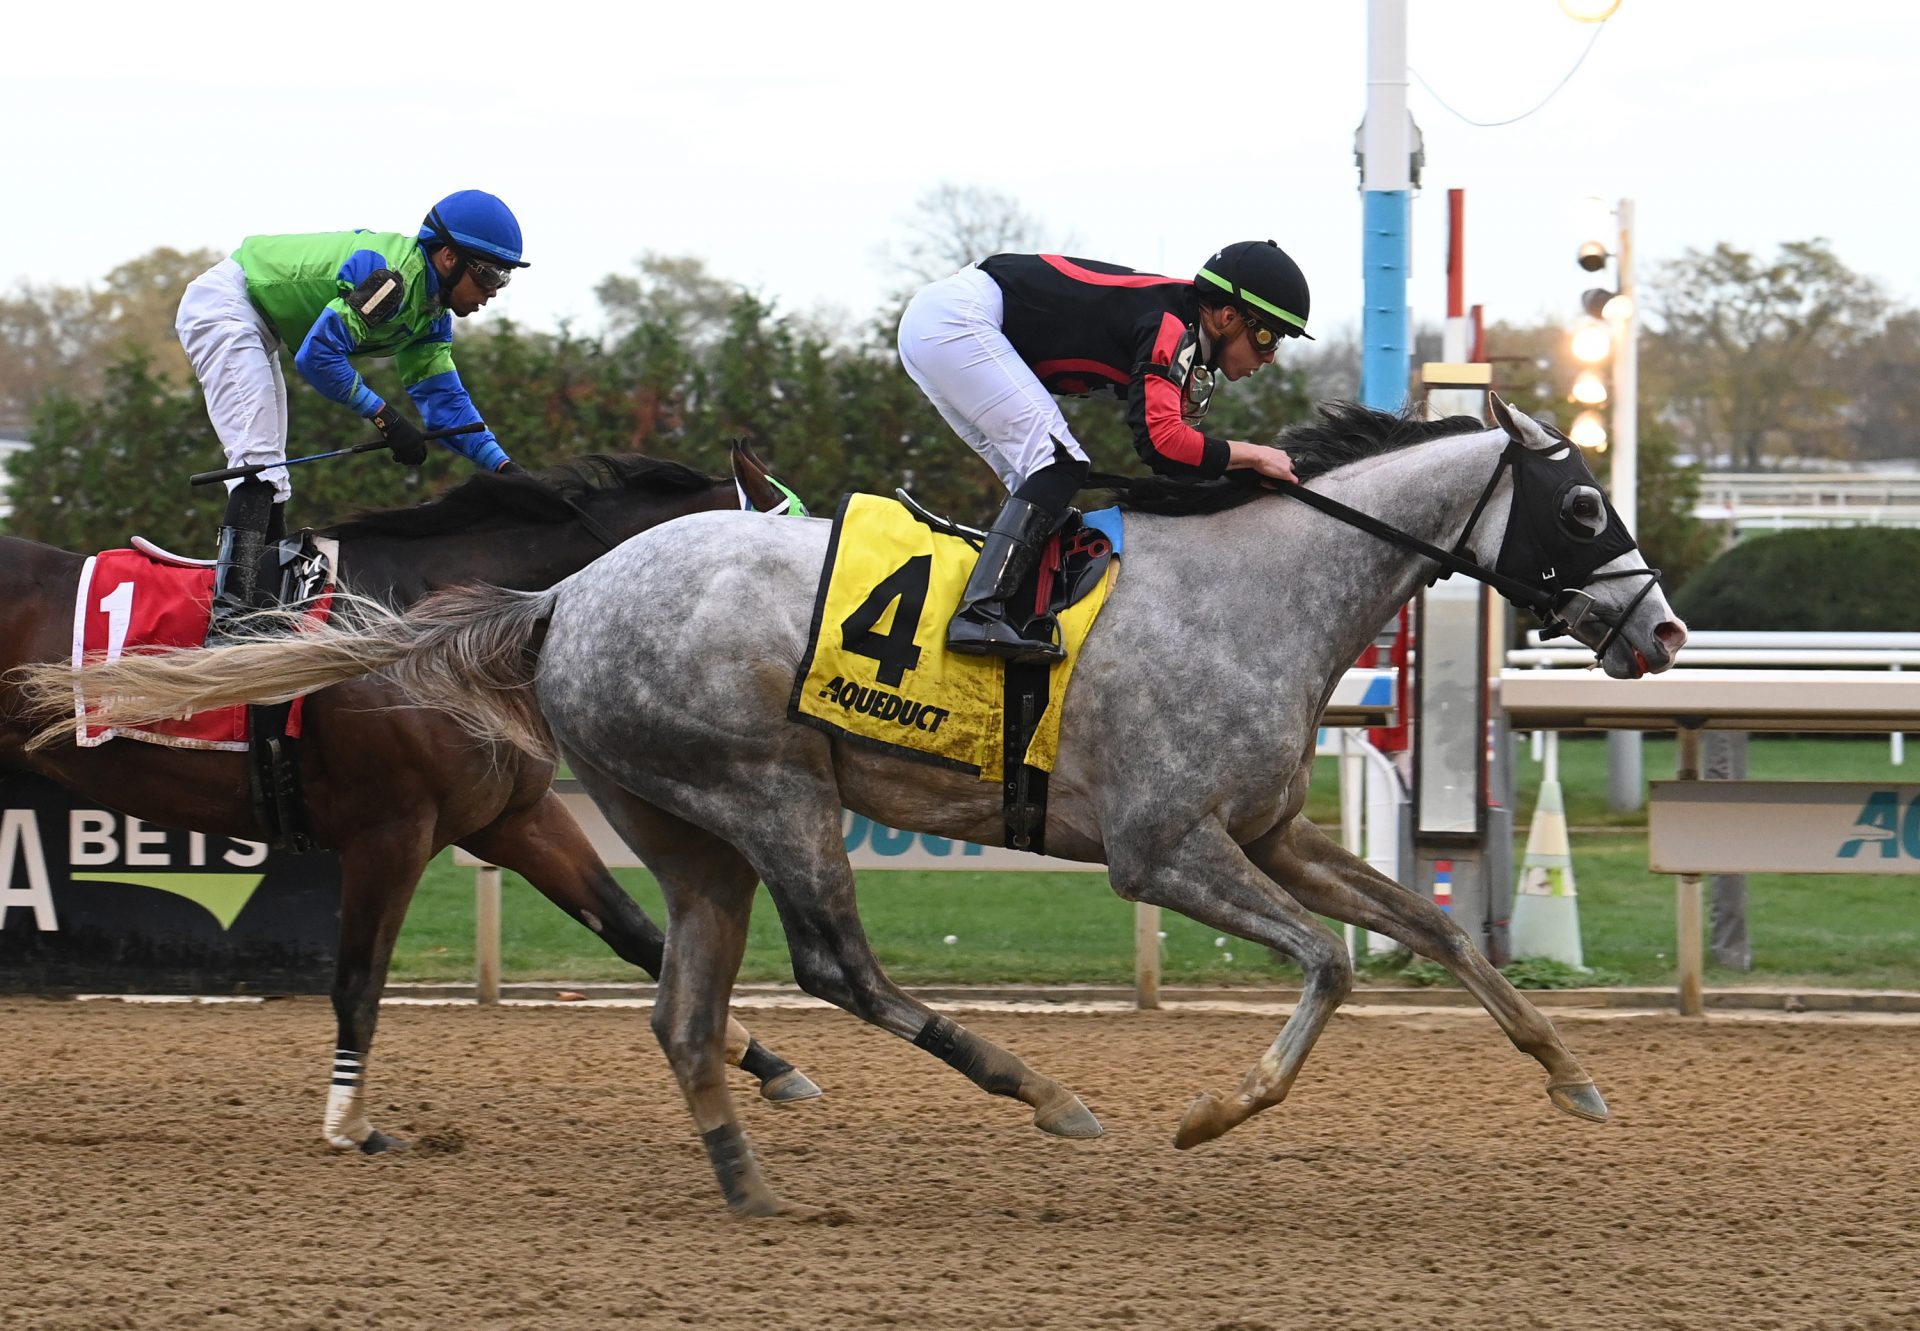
{"x":1555,"y":622}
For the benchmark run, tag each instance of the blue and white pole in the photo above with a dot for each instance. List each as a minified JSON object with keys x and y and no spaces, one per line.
{"x":1386,"y":185}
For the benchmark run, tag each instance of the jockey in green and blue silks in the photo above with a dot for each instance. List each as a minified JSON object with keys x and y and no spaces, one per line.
{"x":335,"y":297}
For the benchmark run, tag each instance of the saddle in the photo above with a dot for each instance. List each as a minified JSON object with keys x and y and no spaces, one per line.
{"x":877,"y":670}
{"x":296,"y":570}
{"x":1071,"y":564}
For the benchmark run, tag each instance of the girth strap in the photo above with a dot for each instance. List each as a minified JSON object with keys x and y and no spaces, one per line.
{"x":1023,"y":789}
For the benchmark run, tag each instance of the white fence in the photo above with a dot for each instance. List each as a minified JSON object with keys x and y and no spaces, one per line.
{"x":1833,"y":827}
{"x":1773,"y":501}
{"x":1891,"y":652}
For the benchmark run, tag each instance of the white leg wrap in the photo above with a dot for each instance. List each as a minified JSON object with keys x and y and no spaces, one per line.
{"x":346,"y":1124}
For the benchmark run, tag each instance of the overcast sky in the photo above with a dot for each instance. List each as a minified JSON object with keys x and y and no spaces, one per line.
{"x":787,"y":144}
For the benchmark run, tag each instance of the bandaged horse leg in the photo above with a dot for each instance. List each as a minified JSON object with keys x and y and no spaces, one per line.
{"x":804,"y":862}
{"x":543,"y":844}
{"x":1330,"y":880}
{"x":378,"y":873}
{"x":1206,"y":877}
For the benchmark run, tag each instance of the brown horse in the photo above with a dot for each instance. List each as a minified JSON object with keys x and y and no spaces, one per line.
{"x":388,"y":786}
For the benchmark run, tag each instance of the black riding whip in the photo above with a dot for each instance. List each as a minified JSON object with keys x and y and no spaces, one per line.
{"x":372,"y":445}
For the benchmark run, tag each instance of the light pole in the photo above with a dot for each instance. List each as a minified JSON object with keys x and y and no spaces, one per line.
{"x":1613,"y":323}
{"x":1623,"y":746}
{"x":1386,"y":184}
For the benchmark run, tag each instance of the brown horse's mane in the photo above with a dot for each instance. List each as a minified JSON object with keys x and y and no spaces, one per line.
{"x":1341,"y":433}
{"x":490,"y":499}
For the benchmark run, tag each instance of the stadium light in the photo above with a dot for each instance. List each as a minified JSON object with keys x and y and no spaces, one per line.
{"x":1592,"y":342}
{"x":1589,"y":431}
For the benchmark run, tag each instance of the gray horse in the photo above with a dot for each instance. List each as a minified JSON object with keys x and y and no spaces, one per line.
{"x":1187,"y":738}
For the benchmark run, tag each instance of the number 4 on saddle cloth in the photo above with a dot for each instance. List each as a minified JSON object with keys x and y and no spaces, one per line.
{"x":146,"y":598}
{"x":878,"y":671}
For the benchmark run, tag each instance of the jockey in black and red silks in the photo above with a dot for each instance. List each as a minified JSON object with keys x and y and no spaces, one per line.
{"x":992,"y":344}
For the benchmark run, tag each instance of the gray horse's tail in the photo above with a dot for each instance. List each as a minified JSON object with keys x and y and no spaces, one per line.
{"x":468,"y":651}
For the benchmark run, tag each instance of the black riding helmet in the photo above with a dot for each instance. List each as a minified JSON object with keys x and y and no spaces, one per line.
{"x":1261,"y":276}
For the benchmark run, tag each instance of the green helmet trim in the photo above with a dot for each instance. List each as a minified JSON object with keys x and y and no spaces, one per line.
{"x":1239,"y":293}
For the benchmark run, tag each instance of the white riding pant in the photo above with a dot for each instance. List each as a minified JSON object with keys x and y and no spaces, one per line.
{"x":952,"y":345}
{"x":236,"y":355}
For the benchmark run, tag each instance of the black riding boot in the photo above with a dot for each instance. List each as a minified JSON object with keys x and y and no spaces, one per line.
{"x":236,"y":572}
{"x":1011,"y":549}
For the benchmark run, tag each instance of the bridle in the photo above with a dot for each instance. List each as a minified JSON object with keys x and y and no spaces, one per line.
{"x":1561,"y":605}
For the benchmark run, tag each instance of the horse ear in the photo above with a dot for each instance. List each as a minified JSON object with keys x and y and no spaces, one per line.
{"x":1503,"y":416}
{"x":1522,"y":428}
{"x":750,"y":474}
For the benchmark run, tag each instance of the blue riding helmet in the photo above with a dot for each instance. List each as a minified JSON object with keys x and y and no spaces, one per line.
{"x":478,"y":223}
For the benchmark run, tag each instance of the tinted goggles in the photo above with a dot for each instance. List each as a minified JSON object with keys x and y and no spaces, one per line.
{"x":487,"y":275}
{"x":1263,"y":337}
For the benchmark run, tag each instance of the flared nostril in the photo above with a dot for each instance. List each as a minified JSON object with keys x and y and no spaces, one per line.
{"x":1672,"y":635}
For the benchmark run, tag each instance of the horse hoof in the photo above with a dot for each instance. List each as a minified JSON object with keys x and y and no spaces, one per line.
{"x":1580,"y":1099}
{"x":790,"y":1086}
{"x":379,"y":1143}
{"x":1205,"y":1119}
{"x":1070,"y":1118}
{"x":767,"y":1206}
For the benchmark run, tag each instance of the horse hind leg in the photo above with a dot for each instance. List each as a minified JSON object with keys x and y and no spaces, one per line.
{"x":544,"y":845}
{"x":1327,"y":878}
{"x":804,"y":863}
{"x":709,"y":890}
{"x":1209,"y":879}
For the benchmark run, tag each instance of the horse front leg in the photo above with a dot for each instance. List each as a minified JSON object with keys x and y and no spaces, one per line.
{"x":1326,"y":877}
{"x":1207,"y":878}
{"x":379,"y":870}
{"x":543,"y":844}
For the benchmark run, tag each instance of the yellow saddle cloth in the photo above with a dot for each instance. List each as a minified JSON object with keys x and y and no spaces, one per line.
{"x":877,"y":666}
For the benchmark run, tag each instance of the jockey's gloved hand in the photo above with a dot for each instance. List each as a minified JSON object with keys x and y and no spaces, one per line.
{"x":510,"y":468}
{"x":402,"y":435}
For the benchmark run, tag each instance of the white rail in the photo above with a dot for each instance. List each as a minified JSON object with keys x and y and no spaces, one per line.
{"x":1688,"y":701}
{"x":1766,"y":653}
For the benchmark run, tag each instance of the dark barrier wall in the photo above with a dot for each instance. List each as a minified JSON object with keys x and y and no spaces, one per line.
{"x":92,"y":901}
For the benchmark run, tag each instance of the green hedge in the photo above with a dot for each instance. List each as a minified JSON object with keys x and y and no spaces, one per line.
{"x":1842,"y":579}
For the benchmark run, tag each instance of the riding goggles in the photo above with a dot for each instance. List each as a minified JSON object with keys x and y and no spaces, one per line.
{"x":487,"y":275}
{"x":1264,"y":339}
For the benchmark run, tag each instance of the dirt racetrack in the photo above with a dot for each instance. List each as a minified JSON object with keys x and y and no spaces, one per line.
{"x":162,"y":1169}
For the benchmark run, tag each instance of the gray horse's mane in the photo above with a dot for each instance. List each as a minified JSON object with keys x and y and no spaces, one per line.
{"x":1341,"y":433}
{"x":489,"y":498}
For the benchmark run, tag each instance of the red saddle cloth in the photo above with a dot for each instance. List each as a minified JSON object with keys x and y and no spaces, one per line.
{"x":127,"y":600}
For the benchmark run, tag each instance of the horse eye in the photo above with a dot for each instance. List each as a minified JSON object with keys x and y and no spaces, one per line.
{"x":1583,"y":509}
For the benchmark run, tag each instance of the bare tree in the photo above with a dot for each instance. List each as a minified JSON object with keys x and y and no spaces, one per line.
{"x":1748,"y":350}
{"x":1886,"y":377}
{"x":59,"y":339}
{"x":675,"y":292}
{"x":954,"y":225}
